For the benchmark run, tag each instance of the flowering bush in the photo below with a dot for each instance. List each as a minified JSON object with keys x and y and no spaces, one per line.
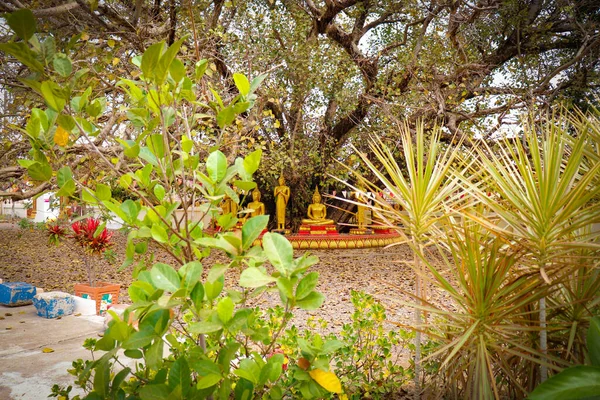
{"x":87,"y":234}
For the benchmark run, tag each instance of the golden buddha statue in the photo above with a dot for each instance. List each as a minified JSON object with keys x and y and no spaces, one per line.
{"x":229,"y":206}
{"x":360,"y":210}
{"x":317,"y":212}
{"x":256,"y":206}
{"x":282,"y":196}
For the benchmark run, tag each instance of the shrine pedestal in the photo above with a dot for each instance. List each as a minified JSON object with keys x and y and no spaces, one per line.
{"x":317,"y":230}
{"x":282,"y":231}
{"x":360,"y":231}
{"x":383,"y":230}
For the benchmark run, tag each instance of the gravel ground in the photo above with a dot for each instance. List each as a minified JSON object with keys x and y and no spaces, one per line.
{"x":25,"y":255}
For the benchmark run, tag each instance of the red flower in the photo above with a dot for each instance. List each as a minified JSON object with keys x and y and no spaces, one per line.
{"x":55,"y":233}
{"x":86,"y":236}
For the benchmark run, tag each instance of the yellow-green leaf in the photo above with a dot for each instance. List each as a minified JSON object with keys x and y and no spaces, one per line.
{"x":328,"y":380}
{"x":47,"y":350}
{"x":61,"y":137}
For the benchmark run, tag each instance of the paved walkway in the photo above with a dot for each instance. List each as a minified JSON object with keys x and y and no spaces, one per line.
{"x":27,"y":373}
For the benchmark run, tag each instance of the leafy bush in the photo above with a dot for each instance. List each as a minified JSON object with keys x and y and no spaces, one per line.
{"x":186,"y":335}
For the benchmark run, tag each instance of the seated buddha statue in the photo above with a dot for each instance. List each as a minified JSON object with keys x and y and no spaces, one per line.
{"x":256,"y":206}
{"x":317,"y":212}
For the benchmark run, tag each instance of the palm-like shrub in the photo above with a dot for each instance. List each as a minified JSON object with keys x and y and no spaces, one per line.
{"x":423,"y":187}
{"x":546,"y":186}
{"x":486,"y":334}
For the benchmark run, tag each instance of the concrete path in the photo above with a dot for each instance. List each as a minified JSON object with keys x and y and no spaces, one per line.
{"x":26,"y":373}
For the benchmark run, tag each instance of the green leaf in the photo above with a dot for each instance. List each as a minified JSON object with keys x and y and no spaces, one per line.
{"x":256,"y":82}
{"x":67,"y":190}
{"x":216,"y":166}
{"x":26,"y":163}
{"x":156,"y":145}
{"x":272,"y":369}
{"x":133,"y":151}
{"x":307,"y":285}
{"x":88,"y":196}
{"x":159,"y":233}
{"x":39,"y":172}
{"x":159,"y":191}
{"x":213,"y":289}
{"x":119,"y":378}
{"x":200,"y":69}
{"x":139,"y":339}
{"x":253,"y":277}
{"x":197,"y":295}
{"x":150,"y":59}
{"x":24,"y":54}
{"x":311,"y":302}
{"x":62,"y":64}
{"x":165,"y":61}
{"x":155,"y":392}
{"x":579,"y":382}
{"x":53,"y":96}
{"x":205,"y":367}
{"x":130,"y":210}
{"x":177,"y":70}
{"x":249,"y":370}
{"x":179,"y":375}
{"x":63,"y":175}
{"x":244,"y":185}
{"x":22,"y":22}
{"x":205,"y":327}
{"x":593,"y":341}
{"x":190,"y":273}
{"x":225,"y":116}
{"x":252,"y":161}
{"x":285,"y":287}
{"x":332,"y":345}
{"x":67,"y":122}
{"x":225,"y":309}
{"x":244,"y":389}
{"x":208,"y":381}
{"x":241,"y":82}
{"x":186,"y":144}
{"x":252,"y":230}
{"x":165,"y":277}
{"x":279,"y":251}
{"x":103,"y":192}
{"x":101,"y":379}
{"x":147,"y":155}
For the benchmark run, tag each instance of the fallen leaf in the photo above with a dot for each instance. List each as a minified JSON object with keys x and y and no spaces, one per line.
{"x":47,"y":350}
{"x":8,"y":314}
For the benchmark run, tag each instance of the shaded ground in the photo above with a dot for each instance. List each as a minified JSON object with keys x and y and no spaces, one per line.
{"x":25,"y":255}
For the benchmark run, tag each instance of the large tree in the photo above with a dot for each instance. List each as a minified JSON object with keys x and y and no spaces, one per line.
{"x":337,"y":69}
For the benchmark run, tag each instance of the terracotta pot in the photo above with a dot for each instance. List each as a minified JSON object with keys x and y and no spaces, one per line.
{"x":105,"y":294}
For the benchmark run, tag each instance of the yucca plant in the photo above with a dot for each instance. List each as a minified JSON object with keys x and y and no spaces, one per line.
{"x":423,"y":187}
{"x":486,"y":330}
{"x":545,"y":187}
{"x":576,"y":301}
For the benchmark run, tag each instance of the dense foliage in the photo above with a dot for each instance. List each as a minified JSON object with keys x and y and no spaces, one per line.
{"x":336,"y":70}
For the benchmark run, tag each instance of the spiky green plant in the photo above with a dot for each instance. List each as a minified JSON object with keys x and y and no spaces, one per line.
{"x":487,"y":327}
{"x":546,"y":187}
{"x":424,"y":188}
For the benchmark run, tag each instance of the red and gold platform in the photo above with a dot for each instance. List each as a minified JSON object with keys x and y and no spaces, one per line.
{"x":317,"y":230}
{"x":340,"y":241}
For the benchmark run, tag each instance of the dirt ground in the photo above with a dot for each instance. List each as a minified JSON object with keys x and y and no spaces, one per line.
{"x":26,"y":255}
